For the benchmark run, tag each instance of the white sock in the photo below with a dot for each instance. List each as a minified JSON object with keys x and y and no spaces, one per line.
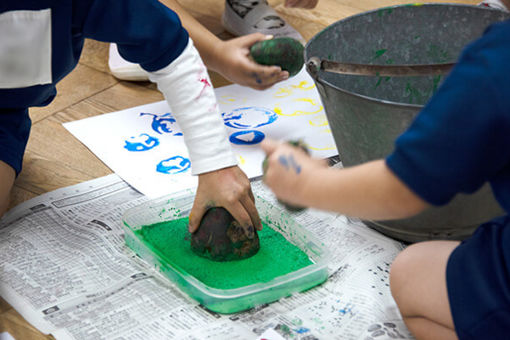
{"x":242,"y":17}
{"x":123,"y":69}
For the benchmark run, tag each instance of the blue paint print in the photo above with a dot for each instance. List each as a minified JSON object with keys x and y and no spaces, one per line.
{"x":173,"y":165}
{"x":143,"y":142}
{"x":301,"y":330}
{"x":347,"y":310}
{"x":249,"y":117}
{"x":163,"y":123}
{"x":249,"y":137}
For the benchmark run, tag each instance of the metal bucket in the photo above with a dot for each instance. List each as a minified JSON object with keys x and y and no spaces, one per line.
{"x":367,"y":114}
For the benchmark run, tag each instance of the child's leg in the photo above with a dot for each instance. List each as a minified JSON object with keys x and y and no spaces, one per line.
{"x":418,"y":285}
{"x":7,"y":176}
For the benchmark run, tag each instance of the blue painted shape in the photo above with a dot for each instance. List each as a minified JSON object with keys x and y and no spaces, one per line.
{"x":163,"y":123}
{"x":248,"y":137}
{"x":249,"y":117}
{"x":143,"y":142}
{"x":173,"y":165}
{"x":302,"y":330}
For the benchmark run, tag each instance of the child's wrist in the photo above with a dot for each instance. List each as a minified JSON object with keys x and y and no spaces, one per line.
{"x":214,"y":60}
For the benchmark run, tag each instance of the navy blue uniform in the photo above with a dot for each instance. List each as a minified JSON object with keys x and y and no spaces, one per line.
{"x":459,"y":141}
{"x":147,"y":33}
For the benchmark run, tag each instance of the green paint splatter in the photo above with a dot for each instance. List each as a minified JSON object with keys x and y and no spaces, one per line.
{"x":437,"y":54}
{"x":413,"y":93}
{"x":379,"y":53}
{"x":383,"y":11}
{"x":276,"y":256}
{"x":436,"y":81}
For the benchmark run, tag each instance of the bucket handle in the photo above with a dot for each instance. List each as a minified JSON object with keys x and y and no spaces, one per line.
{"x":315,"y":64}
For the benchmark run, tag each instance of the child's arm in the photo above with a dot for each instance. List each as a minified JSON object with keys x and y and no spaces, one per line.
{"x":229,"y":58}
{"x":188,"y":91}
{"x":369,"y":191}
{"x":150,"y":34}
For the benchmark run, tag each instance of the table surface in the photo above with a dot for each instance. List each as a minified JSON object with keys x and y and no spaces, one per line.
{"x":55,"y":159}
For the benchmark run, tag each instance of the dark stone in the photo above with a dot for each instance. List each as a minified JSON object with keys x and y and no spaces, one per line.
{"x":219,"y":237}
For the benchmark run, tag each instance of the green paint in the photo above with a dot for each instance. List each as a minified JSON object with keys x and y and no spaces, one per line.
{"x":436,"y":81}
{"x":385,"y":10}
{"x":276,"y":256}
{"x":437,"y":54}
{"x":379,"y":53}
{"x":413,"y":93}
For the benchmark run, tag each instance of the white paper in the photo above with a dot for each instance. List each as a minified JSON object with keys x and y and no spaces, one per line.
{"x":65,"y":268}
{"x":144,"y":144}
{"x":6,"y":336}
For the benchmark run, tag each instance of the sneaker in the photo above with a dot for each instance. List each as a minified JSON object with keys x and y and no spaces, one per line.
{"x":497,"y":4}
{"x":123,"y":69}
{"x":242,"y":17}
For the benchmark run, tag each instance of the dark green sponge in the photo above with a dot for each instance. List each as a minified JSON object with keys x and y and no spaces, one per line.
{"x":284,"y":52}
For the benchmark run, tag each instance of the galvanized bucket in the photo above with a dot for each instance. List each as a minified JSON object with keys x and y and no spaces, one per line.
{"x":366,"y":114}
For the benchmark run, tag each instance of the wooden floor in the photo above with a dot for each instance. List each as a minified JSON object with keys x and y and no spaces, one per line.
{"x":55,"y":159}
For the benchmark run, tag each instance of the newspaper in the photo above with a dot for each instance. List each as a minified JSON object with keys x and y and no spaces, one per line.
{"x":66,"y":269}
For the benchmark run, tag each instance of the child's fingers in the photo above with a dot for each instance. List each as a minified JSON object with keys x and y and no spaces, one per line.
{"x":267,"y":76}
{"x":250,"y":39}
{"x":195,"y":216}
{"x":269,"y":145}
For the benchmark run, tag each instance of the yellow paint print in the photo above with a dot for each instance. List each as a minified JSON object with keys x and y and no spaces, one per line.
{"x":319,"y":121}
{"x":314,"y":106}
{"x":283,"y":92}
{"x":229,"y":99}
{"x":303,"y":85}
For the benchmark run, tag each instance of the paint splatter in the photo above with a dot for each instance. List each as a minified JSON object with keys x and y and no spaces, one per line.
{"x":173,"y":165}
{"x":379,"y":53}
{"x":143,"y":142}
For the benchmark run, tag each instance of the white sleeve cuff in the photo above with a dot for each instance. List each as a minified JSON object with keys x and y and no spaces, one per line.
{"x":187,"y":88}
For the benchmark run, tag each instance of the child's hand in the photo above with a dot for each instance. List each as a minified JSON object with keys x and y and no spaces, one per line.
{"x":234,"y":63}
{"x":301,"y":3}
{"x":288,"y":170}
{"x":228,"y":188}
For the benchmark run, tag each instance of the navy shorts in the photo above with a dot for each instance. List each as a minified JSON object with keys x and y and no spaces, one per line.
{"x":478,"y":282}
{"x":14,"y":131}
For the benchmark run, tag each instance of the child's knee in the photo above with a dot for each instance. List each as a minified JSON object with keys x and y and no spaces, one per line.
{"x":402,"y":271}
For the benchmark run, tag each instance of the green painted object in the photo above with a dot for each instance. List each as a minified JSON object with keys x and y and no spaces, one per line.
{"x":284,"y":52}
{"x":220,"y":238}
